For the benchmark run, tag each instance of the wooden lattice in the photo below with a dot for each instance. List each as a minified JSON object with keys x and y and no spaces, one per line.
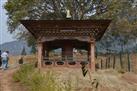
{"x":66,"y":28}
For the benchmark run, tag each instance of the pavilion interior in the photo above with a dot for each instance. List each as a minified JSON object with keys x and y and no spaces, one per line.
{"x":66,"y":50}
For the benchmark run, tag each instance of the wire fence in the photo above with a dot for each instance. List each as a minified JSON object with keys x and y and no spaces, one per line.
{"x":126,"y":62}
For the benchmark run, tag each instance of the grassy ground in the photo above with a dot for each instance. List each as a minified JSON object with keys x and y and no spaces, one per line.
{"x":28,"y":78}
{"x":68,"y":79}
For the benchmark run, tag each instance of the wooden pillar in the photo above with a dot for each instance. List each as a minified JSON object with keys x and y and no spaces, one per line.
{"x":92,"y":56}
{"x":67,"y":52}
{"x":40,"y":56}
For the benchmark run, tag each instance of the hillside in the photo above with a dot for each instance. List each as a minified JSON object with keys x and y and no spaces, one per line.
{"x":15,"y":47}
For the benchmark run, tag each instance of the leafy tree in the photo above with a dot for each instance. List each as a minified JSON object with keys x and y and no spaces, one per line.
{"x":122,"y":13}
{"x":51,"y":9}
{"x":123,"y":26}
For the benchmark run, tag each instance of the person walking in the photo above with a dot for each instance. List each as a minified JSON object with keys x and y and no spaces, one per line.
{"x":5,"y":59}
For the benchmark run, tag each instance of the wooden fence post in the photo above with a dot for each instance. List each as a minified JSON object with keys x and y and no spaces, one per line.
{"x":129,"y":66}
{"x":106,"y":63}
{"x":114,"y":61}
{"x":101,"y":63}
{"x":121,"y":63}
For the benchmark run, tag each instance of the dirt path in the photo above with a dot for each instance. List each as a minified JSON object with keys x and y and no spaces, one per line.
{"x":5,"y":80}
{"x":7,"y":83}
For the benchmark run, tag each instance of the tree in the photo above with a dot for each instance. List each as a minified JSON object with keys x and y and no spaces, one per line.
{"x":118,"y":11}
{"x":123,"y":27}
{"x":51,"y":9}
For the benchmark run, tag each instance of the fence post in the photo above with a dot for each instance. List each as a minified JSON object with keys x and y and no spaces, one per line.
{"x":129,"y":66}
{"x":114,"y":61}
{"x":101,"y":63}
{"x":121,"y":63}
{"x":106,"y":63}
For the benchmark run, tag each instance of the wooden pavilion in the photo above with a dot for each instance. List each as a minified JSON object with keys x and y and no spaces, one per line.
{"x":66,"y":34}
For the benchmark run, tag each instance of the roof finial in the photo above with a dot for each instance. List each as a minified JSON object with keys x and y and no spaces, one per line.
{"x":68,"y":14}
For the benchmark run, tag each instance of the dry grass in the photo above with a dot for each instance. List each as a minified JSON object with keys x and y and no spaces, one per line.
{"x":108,"y":80}
{"x":13,"y":60}
{"x":133,"y":59}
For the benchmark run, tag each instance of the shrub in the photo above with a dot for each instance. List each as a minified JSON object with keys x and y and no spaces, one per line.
{"x":38,"y":81}
{"x":41,"y":82}
{"x":23,"y":73}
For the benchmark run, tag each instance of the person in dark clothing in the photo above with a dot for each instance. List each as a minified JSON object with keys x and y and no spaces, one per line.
{"x":21,"y":60}
{"x":0,"y":59}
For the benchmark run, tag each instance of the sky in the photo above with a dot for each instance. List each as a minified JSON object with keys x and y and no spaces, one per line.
{"x":5,"y":36}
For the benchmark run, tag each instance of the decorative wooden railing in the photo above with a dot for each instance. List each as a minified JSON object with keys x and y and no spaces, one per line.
{"x":65,"y":61}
